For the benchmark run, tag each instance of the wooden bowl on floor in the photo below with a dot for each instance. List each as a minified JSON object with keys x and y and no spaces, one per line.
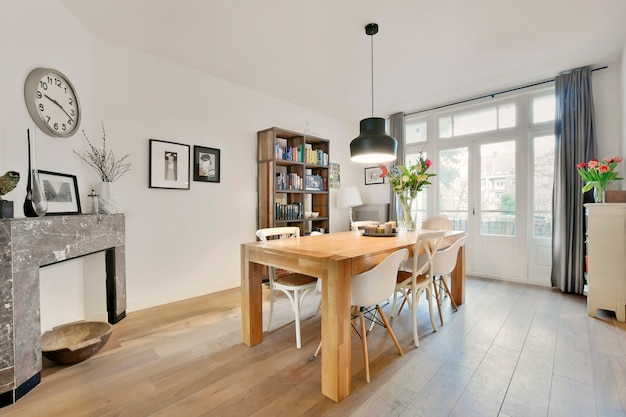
{"x":74,"y":342}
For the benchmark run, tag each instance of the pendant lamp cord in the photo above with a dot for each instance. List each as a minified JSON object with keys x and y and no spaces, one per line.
{"x":372,"y":57}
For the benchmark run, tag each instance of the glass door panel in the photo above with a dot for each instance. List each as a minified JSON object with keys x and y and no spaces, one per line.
{"x":497,"y":189}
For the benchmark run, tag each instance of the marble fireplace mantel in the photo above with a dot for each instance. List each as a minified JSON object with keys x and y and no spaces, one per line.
{"x":26,"y":244}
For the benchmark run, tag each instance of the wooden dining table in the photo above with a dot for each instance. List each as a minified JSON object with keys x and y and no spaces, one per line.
{"x":335,"y":258}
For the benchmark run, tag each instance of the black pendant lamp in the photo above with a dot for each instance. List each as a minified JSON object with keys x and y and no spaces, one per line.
{"x":373,"y":145}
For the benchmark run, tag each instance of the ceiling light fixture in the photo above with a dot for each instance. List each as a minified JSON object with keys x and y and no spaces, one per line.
{"x":373,"y":145}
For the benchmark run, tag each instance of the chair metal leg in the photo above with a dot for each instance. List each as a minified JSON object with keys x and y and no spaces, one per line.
{"x":454,"y":306}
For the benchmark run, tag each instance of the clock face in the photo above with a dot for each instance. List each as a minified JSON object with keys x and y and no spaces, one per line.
{"x":52,"y":102}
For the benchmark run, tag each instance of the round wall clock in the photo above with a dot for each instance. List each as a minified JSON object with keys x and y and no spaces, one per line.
{"x":52,"y":102}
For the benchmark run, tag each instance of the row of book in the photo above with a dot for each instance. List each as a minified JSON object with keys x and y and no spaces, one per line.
{"x":301,"y":153}
{"x":286,"y":181}
{"x":316,"y":156}
{"x":293,"y":211}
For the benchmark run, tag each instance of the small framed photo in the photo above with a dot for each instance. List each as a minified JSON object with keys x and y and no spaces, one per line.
{"x":314,"y":183}
{"x":206,"y":164}
{"x":61,"y":191}
{"x":169,"y":165}
{"x":373,"y":176}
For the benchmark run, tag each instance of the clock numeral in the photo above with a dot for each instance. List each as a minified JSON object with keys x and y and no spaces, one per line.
{"x":57,"y":82}
{"x":56,"y":126}
{"x":71,"y":112}
{"x":40,"y":106}
{"x":71,"y":101}
{"x":39,"y":95}
{"x":48,"y":117}
{"x":43,"y":84}
{"x":69,"y":122}
{"x":63,"y":127}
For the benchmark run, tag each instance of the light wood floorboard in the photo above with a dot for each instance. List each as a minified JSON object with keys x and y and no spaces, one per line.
{"x":510,"y":351}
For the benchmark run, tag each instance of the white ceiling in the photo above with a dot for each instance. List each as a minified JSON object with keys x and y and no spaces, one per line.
{"x":316,"y":54}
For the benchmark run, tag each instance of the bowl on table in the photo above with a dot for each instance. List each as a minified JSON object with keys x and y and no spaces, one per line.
{"x":311,"y":214}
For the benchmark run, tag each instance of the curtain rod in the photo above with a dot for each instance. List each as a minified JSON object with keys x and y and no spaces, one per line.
{"x":492,"y":95}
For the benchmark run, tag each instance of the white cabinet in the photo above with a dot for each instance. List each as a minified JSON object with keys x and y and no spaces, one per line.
{"x":606,"y":248}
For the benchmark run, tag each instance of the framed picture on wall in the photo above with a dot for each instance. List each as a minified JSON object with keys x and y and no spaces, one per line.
{"x":206,"y":164}
{"x":169,"y":165}
{"x":61,"y":191}
{"x":373,"y":176}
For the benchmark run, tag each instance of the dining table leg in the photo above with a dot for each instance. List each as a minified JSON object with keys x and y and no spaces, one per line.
{"x":457,"y":278}
{"x":251,"y":300}
{"x":336,"y":330}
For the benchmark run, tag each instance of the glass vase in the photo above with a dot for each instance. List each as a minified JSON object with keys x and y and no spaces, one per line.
{"x":599,"y":191}
{"x":36,"y":203}
{"x":406,"y":217}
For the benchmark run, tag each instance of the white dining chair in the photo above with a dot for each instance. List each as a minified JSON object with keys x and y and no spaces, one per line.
{"x":420,"y":278}
{"x":445,"y":262}
{"x":367,"y":290}
{"x":437,"y":223}
{"x":354,"y":226}
{"x":295,"y":286}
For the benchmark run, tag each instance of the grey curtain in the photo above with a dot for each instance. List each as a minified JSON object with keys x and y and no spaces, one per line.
{"x":396,"y":129}
{"x":575,"y":142}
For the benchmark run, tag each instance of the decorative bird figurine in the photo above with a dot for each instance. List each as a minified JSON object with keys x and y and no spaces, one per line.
{"x":8,"y":182}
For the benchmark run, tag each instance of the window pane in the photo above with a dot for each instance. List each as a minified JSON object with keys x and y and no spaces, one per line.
{"x":506,"y":116}
{"x":544,"y":109}
{"x":416,"y":131}
{"x":445,"y":127}
{"x":453,"y":183}
{"x":542,"y":186}
{"x":476,"y":121}
{"x":497,"y":188}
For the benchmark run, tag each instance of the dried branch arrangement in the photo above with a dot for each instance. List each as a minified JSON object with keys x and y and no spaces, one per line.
{"x":108,"y":168}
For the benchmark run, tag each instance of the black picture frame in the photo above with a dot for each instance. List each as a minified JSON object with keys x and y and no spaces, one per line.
{"x":61,"y":192}
{"x":373,"y":176}
{"x":169,"y":165}
{"x":206,"y":164}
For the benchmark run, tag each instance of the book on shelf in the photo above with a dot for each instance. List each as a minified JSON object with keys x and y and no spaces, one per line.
{"x":292,"y":211}
{"x":288,"y":181}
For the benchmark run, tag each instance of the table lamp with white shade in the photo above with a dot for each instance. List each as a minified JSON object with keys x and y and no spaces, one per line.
{"x":349,"y":197}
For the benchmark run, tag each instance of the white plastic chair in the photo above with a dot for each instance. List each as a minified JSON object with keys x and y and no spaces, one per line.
{"x":445,"y":262}
{"x":437,"y":223}
{"x":295,"y":286}
{"x":368,"y":290}
{"x":354,"y":226}
{"x":412,"y":284}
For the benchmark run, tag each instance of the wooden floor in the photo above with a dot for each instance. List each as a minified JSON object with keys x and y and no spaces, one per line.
{"x":511,"y":350}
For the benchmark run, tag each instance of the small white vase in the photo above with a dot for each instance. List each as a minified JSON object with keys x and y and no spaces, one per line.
{"x":108,"y":204}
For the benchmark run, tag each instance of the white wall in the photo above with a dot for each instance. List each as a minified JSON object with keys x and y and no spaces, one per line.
{"x":180,"y":243}
{"x":607,"y":101}
{"x":186,"y":243}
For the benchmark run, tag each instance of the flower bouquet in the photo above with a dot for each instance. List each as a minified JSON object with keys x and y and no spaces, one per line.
{"x":406,"y":182}
{"x":598,"y":175}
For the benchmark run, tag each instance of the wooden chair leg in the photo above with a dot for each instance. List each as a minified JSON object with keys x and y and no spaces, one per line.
{"x":364,"y":344}
{"x":454,"y":306}
{"x":403,"y":302}
{"x":438,"y":300}
{"x":317,"y":351}
{"x":389,"y":329}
